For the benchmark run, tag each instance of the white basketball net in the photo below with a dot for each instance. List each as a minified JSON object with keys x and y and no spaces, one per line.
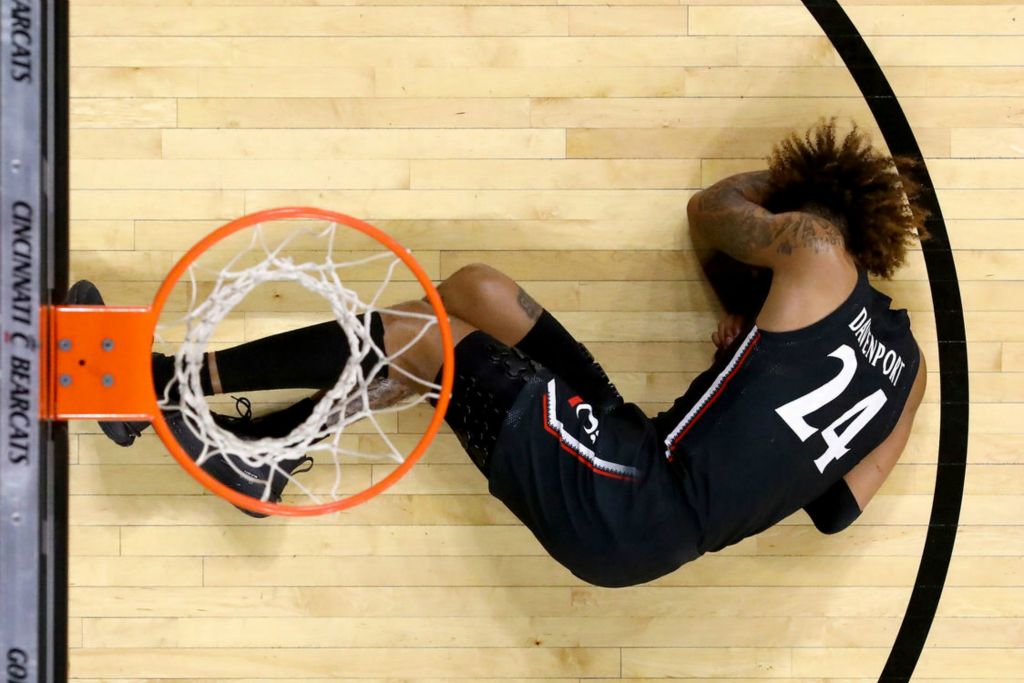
{"x":357,"y":395}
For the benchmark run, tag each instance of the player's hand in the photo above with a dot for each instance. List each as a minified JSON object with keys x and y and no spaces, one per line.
{"x":728,"y":329}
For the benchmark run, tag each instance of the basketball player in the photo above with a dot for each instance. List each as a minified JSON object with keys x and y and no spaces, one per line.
{"x":809,"y":403}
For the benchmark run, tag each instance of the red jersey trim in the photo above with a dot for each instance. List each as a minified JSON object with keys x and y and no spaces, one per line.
{"x":713,"y":392}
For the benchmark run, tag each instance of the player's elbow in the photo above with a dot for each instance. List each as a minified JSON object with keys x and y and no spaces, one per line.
{"x":693,"y":207}
{"x":832,"y":526}
{"x":695,"y":215}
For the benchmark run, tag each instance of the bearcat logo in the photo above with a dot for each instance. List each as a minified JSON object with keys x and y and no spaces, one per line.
{"x":590,"y":424}
{"x":572,"y":440}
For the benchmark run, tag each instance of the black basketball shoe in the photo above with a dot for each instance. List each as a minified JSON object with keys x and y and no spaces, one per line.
{"x":237,"y":474}
{"x":273,"y":425}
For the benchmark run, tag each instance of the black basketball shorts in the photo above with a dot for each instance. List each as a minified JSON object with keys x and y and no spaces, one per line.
{"x":589,"y":481}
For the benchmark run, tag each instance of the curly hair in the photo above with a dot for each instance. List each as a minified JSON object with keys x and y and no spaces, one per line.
{"x":864,"y":192}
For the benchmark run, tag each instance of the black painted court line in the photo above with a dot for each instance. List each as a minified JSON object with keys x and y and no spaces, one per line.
{"x":57,"y":153}
{"x":952,"y":339}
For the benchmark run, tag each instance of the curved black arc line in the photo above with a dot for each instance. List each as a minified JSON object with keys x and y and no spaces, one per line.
{"x":952,"y":340}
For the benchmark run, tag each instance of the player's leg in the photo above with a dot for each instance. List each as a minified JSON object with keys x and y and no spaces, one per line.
{"x":478,"y":295}
{"x":416,"y":369}
{"x":420,"y":364}
{"x":310,"y":357}
{"x":314,"y":356}
{"x":490,"y":301}
{"x":496,"y":304}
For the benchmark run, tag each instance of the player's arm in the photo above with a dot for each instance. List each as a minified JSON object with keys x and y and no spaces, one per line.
{"x":843,"y":502}
{"x":730,"y":217}
{"x":868,"y":475}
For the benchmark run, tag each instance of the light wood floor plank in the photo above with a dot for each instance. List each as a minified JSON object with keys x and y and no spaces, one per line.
{"x":559,"y":142}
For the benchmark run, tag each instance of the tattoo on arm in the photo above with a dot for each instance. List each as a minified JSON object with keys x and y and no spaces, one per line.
{"x":726,"y":214}
{"x":730,"y":216}
{"x":531,"y":308}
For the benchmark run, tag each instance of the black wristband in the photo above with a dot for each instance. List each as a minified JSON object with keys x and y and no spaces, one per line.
{"x":835,"y":509}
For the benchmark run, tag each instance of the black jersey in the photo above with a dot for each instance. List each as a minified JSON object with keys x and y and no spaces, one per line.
{"x":772,"y":427}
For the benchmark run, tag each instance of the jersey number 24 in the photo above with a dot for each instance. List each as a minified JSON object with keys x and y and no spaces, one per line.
{"x":795,"y":412}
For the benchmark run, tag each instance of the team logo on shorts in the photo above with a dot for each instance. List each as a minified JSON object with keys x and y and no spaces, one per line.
{"x":591,"y":425}
{"x":590,"y":428}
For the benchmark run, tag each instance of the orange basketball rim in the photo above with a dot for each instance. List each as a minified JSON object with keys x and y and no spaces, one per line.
{"x":98,"y":362}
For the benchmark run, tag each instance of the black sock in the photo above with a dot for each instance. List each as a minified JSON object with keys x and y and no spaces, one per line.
{"x":163,"y":373}
{"x":551,"y":345}
{"x":310,"y":357}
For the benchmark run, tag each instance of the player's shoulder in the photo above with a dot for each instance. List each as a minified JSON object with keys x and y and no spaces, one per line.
{"x":809,"y":289}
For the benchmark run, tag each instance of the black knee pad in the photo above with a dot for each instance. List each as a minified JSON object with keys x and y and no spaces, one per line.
{"x":488,"y":378}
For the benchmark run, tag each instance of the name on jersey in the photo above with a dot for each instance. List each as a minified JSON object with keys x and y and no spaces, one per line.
{"x":874,"y":350}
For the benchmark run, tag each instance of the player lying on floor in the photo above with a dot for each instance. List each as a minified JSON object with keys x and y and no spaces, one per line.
{"x":808,"y":405}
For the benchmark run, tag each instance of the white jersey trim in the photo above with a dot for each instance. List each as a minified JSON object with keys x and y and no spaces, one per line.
{"x":578,"y":448}
{"x":715,"y":386}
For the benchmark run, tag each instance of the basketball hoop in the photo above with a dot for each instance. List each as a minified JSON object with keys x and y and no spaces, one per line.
{"x":117,"y":343}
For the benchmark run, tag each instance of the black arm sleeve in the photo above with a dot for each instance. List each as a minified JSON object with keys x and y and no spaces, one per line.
{"x":835,"y":509}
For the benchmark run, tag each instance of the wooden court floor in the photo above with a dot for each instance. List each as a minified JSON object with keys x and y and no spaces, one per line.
{"x":560,"y":143}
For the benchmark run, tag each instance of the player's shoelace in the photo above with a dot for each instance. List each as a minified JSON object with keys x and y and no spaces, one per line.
{"x":244,"y":424}
{"x":243,"y":406}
